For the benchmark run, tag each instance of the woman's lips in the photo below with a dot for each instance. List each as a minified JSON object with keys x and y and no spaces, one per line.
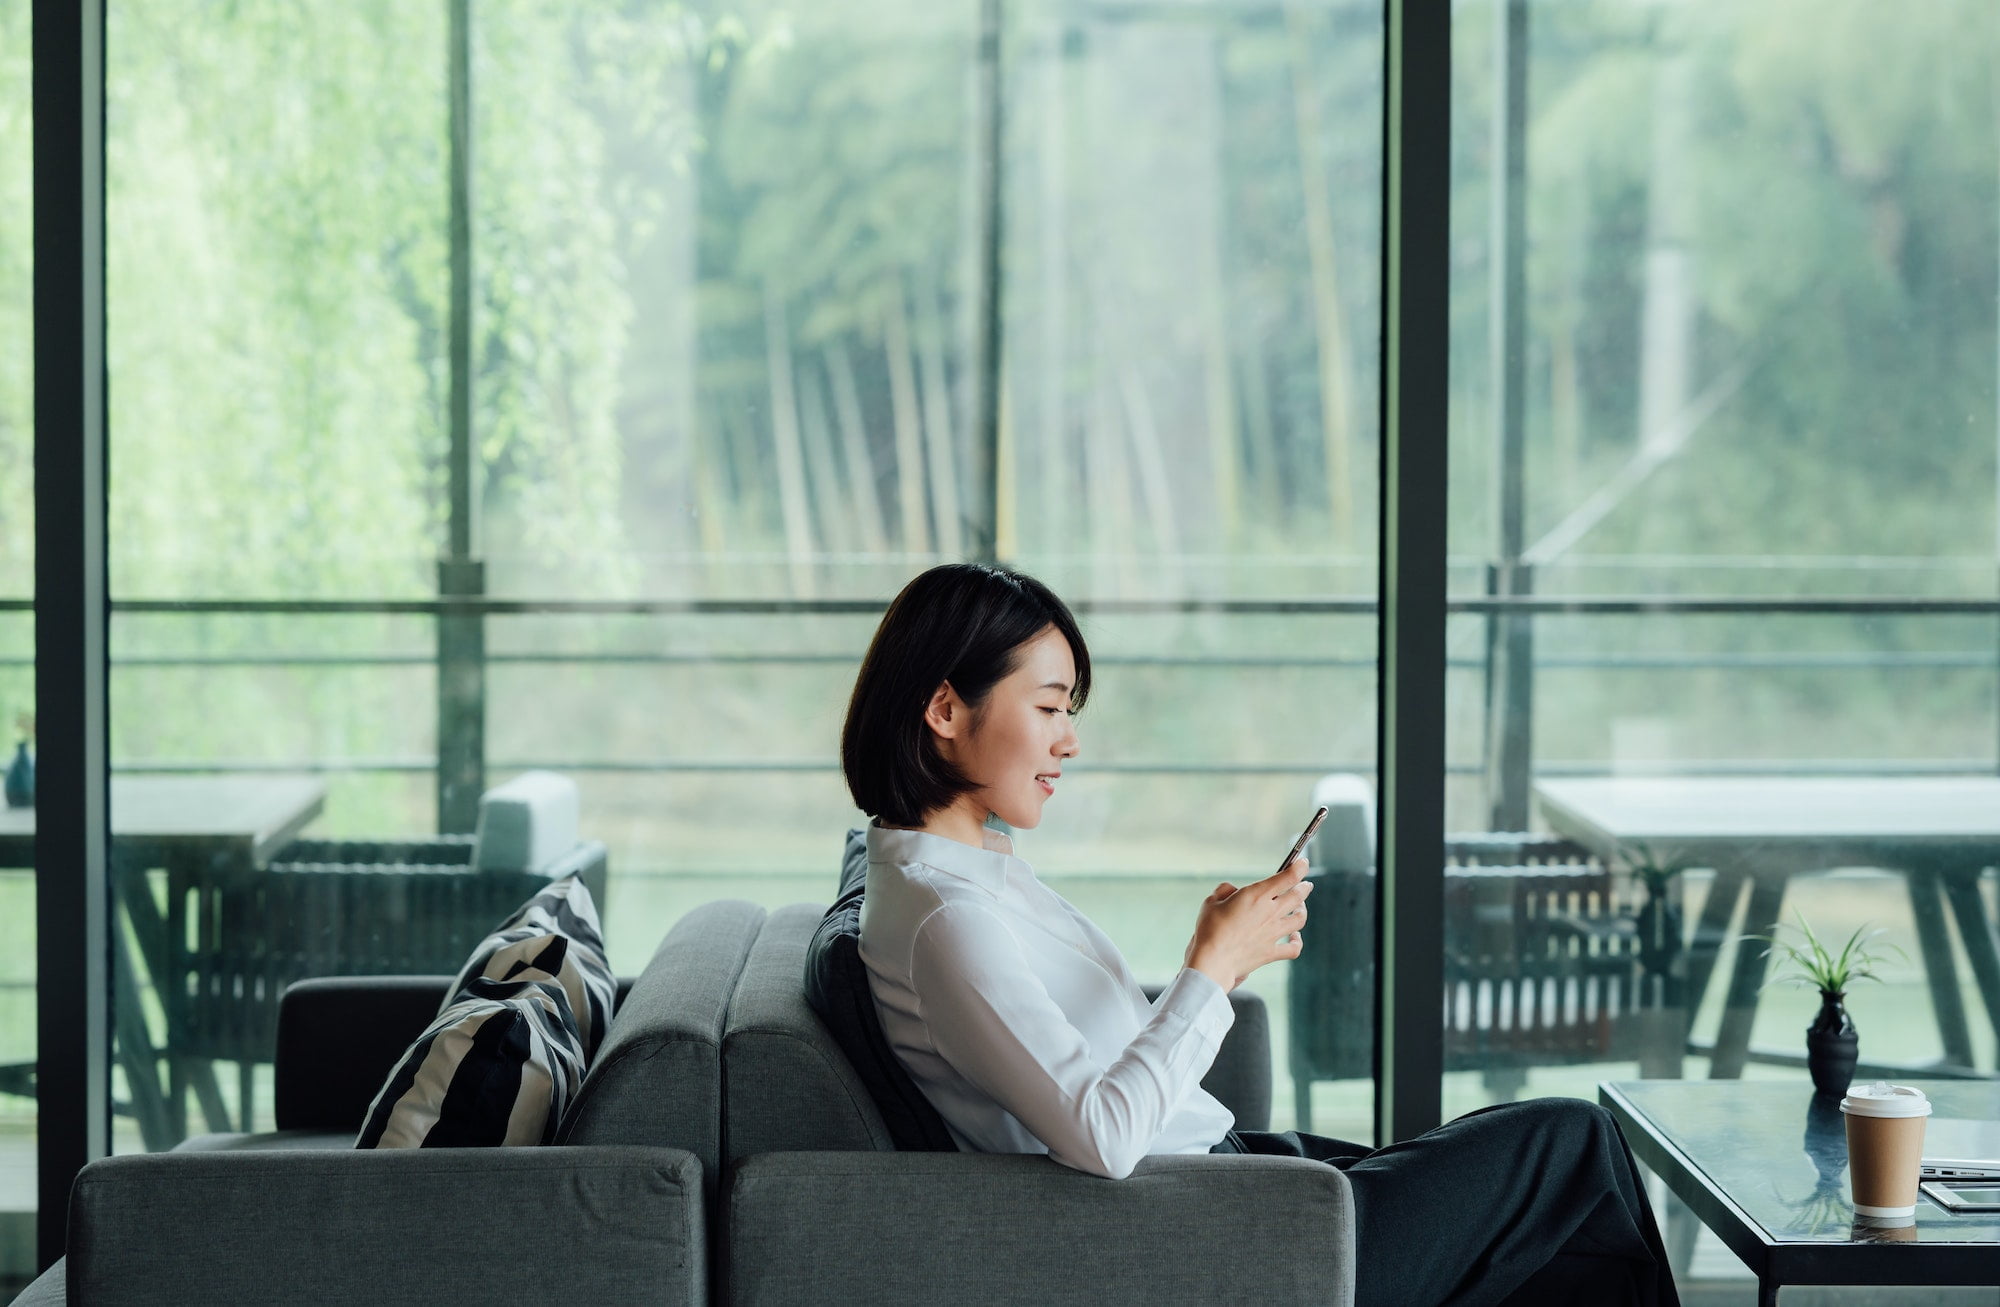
{"x":1048,"y":783}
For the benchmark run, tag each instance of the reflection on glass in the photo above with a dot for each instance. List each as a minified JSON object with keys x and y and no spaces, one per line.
{"x":1729,"y":337}
{"x":18,"y":1134}
{"x":1742,"y":1141}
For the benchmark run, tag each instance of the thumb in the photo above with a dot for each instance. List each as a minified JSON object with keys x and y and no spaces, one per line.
{"x":1223,"y":891}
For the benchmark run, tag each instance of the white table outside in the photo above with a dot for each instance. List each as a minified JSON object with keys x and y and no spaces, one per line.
{"x":1939,"y":832}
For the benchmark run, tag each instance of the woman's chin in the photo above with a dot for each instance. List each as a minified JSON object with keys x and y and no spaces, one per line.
{"x":1027,"y":817}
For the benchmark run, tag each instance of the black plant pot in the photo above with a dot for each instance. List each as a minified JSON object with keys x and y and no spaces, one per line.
{"x":1832,"y":1047}
{"x":1659,"y":927}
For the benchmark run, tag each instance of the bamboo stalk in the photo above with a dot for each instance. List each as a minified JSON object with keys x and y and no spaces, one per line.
{"x":836,"y":528}
{"x":940,"y":451}
{"x":1056,"y":456}
{"x":1154,"y":485}
{"x":1335,"y":368}
{"x":867,"y":503}
{"x":913,"y":526}
{"x":785,"y":445}
{"x":708,"y":497}
{"x":1218,"y":382}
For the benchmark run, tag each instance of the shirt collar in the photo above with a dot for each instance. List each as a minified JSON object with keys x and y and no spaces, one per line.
{"x":985,"y":867}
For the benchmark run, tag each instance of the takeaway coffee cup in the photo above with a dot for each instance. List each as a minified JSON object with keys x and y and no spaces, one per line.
{"x":1885,"y":1146}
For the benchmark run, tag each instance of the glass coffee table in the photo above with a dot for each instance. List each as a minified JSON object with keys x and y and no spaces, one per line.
{"x":1764,"y":1165}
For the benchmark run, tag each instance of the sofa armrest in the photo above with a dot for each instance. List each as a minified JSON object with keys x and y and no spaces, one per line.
{"x":338,"y":1037}
{"x":392,"y":1226}
{"x":942,"y":1227}
{"x":1241,"y":1074}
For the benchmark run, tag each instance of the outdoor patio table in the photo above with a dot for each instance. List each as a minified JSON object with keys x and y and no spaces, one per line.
{"x":1939,"y":832}
{"x":187,"y":826}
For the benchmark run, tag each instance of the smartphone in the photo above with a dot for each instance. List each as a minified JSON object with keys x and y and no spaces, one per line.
{"x":1304,"y":836}
{"x":1963,"y":1197}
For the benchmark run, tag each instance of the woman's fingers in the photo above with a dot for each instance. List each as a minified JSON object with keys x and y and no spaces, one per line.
{"x":1289,"y":875}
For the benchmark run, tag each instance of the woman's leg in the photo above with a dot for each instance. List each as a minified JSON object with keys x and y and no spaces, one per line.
{"x":1535,"y":1202}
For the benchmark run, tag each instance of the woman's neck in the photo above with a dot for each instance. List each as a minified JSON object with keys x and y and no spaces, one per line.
{"x":961,"y":822}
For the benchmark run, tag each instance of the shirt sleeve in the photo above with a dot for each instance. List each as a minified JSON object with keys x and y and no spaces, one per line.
{"x":990,"y":1016}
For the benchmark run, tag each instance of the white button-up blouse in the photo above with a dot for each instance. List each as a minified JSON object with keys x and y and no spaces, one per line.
{"x":1018,"y":1018}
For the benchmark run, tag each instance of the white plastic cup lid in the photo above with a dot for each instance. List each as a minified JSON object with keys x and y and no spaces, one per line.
{"x":1885,"y":1099}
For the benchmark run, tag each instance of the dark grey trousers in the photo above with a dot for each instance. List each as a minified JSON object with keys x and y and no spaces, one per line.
{"x":1537,"y":1202}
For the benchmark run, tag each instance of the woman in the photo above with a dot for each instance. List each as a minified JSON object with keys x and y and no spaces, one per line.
{"x":1023,"y":1025}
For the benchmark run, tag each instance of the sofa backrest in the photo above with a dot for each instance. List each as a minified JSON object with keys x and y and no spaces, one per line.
{"x":657,"y":1078}
{"x":786,"y":1086}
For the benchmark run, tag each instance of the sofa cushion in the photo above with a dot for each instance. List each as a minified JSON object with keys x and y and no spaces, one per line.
{"x":50,"y":1289}
{"x":526,"y":824}
{"x":498,"y":1067}
{"x":837,"y":989}
{"x":555,"y":934}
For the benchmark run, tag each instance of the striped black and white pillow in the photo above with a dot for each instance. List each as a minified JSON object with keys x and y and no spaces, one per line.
{"x":498,"y":1066}
{"x":523,"y":946}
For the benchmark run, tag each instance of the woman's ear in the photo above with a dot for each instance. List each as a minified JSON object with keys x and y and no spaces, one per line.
{"x":946,"y":713}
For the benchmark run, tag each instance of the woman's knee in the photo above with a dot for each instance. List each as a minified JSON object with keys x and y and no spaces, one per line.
{"x":1573,"y":1113}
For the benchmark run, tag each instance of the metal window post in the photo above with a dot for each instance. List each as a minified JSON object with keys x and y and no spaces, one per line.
{"x":72,"y":915}
{"x":1510,"y":647}
{"x":461,"y":650}
{"x":1416,"y":285}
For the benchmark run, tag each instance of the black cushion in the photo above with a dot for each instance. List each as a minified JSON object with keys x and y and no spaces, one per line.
{"x":836,"y":984}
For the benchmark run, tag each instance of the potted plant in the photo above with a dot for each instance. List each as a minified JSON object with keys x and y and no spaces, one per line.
{"x":1658,"y":922}
{"x":1832,"y":1045}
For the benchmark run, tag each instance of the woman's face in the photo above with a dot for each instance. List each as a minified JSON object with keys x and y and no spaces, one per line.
{"x":1019,"y":737}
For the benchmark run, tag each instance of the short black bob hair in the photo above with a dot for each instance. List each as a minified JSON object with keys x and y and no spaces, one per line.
{"x":958,"y":622}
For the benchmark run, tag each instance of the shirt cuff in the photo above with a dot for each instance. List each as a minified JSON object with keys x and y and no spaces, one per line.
{"x":1196,"y":998}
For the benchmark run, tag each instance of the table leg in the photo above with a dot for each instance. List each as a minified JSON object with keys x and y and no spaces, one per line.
{"x":1927,"y":906}
{"x":1767,"y":1292}
{"x":161,"y":941}
{"x":183,"y":1071}
{"x":1716,"y":910}
{"x":1739,"y":1011}
{"x":1683,"y":1228}
{"x":132,"y":892}
{"x":1961,"y":888}
{"x":135,"y":1051}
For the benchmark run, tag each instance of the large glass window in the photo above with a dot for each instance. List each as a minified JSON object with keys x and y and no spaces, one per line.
{"x":1188,"y":435}
{"x":767,"y":309}
{"x":1724,"y":377}
{"x":17,"y":651}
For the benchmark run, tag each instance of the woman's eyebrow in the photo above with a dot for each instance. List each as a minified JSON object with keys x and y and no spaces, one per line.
{"x":1055,"y":685}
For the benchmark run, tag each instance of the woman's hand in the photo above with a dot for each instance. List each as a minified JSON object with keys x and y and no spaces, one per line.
{"x":1239,"y":930}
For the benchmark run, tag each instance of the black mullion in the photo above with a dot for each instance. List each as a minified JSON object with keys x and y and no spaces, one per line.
{"x":72,"y":923}
{"x":1416,"y":135}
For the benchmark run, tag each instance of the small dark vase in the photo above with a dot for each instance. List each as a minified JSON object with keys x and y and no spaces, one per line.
{"x":1832,"y":1047}
{"x":1659,"y":928}
{"x":21,"y":779}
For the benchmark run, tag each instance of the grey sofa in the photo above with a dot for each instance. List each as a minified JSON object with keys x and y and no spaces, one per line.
{"x":816,"y":1209}
{"x":719,"y":1130}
